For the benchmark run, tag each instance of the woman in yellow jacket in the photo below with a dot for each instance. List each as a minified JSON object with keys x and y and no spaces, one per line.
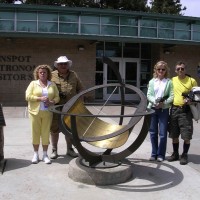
{"x":40,"y":94}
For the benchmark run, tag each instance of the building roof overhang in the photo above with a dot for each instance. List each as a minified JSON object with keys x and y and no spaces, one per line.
{"x":97,"y":24}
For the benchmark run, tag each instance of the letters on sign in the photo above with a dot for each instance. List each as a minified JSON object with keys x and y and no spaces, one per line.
{"x":16,"y":68}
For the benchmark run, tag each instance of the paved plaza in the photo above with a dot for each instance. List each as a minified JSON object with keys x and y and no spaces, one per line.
{"x":151,"y":180}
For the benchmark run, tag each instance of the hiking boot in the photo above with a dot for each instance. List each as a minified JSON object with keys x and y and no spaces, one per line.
{"x":54,"y":154}
{"x":173,"y":157}
{"x":72,"y":153}
{"x":184,"y":159}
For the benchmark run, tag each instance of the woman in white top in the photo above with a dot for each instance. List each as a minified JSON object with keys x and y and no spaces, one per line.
{"x":160,"y":96}
{"x":40,"y":94}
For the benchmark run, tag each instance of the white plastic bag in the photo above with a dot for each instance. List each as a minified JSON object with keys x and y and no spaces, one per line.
{"x":195,"y":109}
{"x":195,"y":94}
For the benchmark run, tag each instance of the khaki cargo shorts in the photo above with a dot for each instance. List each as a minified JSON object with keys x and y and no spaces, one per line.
{"x":55,"y":124}
{"x":180,"y":123}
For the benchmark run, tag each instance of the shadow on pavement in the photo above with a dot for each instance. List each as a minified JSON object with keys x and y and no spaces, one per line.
{"x":62,"y":159}
{"x":13,"y":164}
{"x":193,"y":158}
{"x":150,"y":176}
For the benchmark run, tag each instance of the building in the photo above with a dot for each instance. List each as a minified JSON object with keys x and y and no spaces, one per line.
{"x":31,"y":35}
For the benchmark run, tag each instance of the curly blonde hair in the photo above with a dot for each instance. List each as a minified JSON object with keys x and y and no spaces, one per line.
{"x":163,"y":64}
{"x":47,"y":67}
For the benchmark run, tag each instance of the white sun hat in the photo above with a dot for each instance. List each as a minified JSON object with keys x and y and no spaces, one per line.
{"x":63,"y":59}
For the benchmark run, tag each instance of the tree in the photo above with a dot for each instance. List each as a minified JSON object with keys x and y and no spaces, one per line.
{"x":136,"y":5}
{"x":167,"y":7}
{"x":157,"y":6}
{"x":6,"y":1}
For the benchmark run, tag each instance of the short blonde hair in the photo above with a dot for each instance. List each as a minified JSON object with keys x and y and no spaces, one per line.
{"x":163,"y":64}
{"x":47,"y":67}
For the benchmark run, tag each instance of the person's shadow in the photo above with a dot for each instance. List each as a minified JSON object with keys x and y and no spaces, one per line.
{"x":62,"y":159}
{"x":14,"y":163}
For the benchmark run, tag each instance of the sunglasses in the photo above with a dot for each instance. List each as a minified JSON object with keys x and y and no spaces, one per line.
{"x":161,"y":70}
{"x":180,"y":68}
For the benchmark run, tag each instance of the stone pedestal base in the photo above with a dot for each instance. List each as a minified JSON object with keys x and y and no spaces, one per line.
{"x":99,"y":176}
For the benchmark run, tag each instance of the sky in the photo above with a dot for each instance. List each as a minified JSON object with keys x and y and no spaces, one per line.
{"x":192,"y":6}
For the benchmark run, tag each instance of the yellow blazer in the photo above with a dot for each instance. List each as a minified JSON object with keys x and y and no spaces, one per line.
{"x":34,"y":90}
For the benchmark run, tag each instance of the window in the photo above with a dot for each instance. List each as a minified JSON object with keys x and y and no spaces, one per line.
{"x":113,"y":49}
{"x":148,"y":28}
{"x":110,"y":25}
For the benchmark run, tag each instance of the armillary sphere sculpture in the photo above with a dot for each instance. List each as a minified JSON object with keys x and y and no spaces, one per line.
{"x":81,"y":126}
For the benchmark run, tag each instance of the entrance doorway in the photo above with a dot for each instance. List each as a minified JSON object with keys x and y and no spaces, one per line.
{"x":129,"y":71}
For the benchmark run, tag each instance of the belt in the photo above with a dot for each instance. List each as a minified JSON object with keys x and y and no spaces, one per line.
{"x":156,"y":108}
{"x":174,"y":106}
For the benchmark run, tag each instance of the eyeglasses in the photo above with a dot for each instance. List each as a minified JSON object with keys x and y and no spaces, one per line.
{"x":180,"y":68}
{"x":161,"y":70}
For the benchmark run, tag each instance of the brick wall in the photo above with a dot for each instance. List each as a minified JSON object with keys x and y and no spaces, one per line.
{"x":18,"y":58}
{"x":186,"y":53}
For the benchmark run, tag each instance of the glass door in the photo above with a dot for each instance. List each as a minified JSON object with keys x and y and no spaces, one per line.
{"x":128,"y":69}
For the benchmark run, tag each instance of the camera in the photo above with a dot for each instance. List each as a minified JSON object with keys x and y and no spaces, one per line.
{"x":160,"y":99}
{"x":186,"y":95}
{"x":62,"y":95}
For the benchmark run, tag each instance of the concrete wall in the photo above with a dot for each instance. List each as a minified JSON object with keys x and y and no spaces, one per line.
{"x":18,"y":58}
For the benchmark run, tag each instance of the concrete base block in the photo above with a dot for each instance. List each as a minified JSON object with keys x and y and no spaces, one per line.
{"x":99,"y":176}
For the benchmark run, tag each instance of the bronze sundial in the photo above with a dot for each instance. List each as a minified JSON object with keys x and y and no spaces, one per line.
{"x":82,"y":126}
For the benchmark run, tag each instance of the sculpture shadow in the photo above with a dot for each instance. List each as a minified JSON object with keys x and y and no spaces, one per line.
{"x":152,"y":175}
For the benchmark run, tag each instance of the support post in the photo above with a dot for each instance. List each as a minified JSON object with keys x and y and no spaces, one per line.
{"x":2,"y":124}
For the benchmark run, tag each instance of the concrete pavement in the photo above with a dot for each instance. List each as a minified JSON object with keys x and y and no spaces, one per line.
{"x":151,"y":180}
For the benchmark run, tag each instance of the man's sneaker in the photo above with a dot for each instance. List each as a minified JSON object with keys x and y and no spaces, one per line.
{"x":54,"y":154}
{"x":35,"y":159}
{"x":72,"y":153}
{"x":184,"y":159}
{"x":46,"y":159}
{"x":173,"y":157}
